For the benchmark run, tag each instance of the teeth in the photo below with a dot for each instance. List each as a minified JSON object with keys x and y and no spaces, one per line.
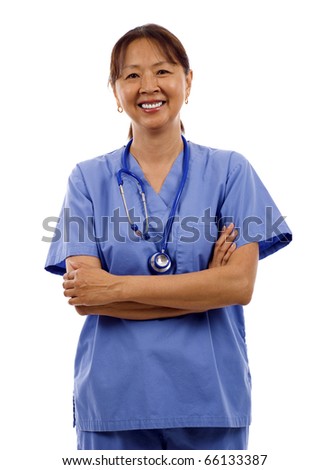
{"x":151,"y":105}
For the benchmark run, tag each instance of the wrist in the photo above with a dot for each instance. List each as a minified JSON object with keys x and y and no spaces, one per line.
{"x":120,"y":288}
{"x":129,"y":287}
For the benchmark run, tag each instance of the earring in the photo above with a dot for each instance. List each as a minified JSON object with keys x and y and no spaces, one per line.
{"x":120,"y":109}
{"x":186,"y":100}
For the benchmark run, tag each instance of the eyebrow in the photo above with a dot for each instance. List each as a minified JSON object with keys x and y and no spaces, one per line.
{"x":157,"y":64}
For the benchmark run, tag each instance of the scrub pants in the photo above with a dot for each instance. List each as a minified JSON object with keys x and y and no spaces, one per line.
{"x":166,"y":439}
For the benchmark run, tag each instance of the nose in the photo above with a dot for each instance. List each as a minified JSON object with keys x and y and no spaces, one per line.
{"x":149,"y":83}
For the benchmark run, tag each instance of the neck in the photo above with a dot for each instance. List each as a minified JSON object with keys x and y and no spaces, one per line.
{"x":156,"y":148}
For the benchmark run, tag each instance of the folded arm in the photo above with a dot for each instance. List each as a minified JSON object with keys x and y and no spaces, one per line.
{"x":229,"y":280}
{"x":199,"y":291}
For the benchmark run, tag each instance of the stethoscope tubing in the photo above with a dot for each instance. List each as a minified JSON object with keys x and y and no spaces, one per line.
{"x":170,"y":219}
{"x":140,"y":183}
{"x":134,"y":227}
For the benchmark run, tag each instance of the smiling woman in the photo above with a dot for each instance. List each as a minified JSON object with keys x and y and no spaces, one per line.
{"x":167,"y":52}
{"x":161,"y":361}
{"x":150,"y":89}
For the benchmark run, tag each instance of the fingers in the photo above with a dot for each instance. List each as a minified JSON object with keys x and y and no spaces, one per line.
{"x":74,"y":299}
{"x":69,"y":291}
{"x":70,"y":275}
{"x":74,"y":265}
{"x":224,"y":246}
{"x":228,"y":235}
{"x":229,"y":252}
{"x":69,"y":285}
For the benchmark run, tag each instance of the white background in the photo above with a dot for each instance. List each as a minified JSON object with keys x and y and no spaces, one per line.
{"x":261,"y":87}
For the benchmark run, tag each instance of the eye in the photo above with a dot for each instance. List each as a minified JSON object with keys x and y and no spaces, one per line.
{"x":132,"y":75}
{"x":163,"y":72}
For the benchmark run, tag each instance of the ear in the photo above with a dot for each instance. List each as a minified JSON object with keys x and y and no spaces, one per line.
{"x":189,"y":78}
{"x":114,"y":91}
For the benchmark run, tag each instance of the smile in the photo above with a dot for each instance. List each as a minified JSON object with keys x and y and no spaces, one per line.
{"x":157,"y":104}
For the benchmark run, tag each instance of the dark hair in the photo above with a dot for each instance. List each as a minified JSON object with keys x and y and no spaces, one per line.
{"x":167,"y":42}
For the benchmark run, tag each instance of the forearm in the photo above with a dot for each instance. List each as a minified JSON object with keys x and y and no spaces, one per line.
{"x":131,"y":311}
{"x":192,"y":292}
{"x":217,"y":287}
{"x":198,"y":291}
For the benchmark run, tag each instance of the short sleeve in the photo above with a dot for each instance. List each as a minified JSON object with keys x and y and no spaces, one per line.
{"x":250,"y":207}
{"x":73,"y":233}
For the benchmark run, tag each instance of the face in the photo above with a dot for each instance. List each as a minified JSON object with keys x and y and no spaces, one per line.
{"x":151,"y":90}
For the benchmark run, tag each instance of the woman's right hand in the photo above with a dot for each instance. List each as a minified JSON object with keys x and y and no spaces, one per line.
{"x":224,"y":246}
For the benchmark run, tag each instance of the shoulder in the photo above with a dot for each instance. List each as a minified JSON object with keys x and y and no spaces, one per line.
{"x":97,"y":168}
{"x":106,"y":161}
{"x":218,"y":158}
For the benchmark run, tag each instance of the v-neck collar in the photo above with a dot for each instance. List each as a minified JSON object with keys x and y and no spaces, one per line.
{"x":171,"y":184}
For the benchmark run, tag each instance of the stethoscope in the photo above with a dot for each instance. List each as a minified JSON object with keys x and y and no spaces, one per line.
{"x":160,"y":262}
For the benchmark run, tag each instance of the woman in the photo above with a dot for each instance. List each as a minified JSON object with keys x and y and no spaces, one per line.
{"x":161,"y":361}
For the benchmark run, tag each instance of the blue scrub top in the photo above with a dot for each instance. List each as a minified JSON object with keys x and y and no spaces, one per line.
{"x":188,"y":371}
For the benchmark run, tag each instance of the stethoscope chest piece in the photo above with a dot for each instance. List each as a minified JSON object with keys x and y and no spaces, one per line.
{"x":160,"y":263}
